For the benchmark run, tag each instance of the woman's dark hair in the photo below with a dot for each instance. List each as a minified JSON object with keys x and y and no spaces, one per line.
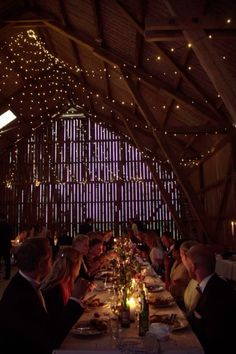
{"x":94,"y":242}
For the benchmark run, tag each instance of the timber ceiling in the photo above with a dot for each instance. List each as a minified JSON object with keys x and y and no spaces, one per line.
{"x":161,"y":72}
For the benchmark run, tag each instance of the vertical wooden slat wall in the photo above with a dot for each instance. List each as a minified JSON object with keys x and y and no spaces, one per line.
{"x":75,"y":168}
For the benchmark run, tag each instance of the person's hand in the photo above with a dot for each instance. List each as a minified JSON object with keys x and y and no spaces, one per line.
{"x":81,"y":287}
{"x":92,"y":286}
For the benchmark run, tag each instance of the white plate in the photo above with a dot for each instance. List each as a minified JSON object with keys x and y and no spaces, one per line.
{"x":85,"y":329}
{"x":179,"y":323}
{"x":155,"y":288}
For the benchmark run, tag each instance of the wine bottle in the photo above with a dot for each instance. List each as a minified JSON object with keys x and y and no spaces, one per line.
{"x":143,"y":315}
{"x":125,"y":312}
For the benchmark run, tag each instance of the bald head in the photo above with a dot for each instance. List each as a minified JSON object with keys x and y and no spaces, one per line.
{"x":200,"y":261}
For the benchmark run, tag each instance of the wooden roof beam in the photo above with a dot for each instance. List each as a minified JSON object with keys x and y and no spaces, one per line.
{"x":172,"y":35}
{"x":190,"y":23}
{"x":166,"y":55}
{"x":112,"y":59}
{"x":214,"y":66}
{"x":216,"y":69}
{"x":24,"y":21}
{"x":163,"y":36}
{"x":158,"y":86}
{"x":164,"y":193}
{"x":161,"y":140}
{"x":189,"y":130}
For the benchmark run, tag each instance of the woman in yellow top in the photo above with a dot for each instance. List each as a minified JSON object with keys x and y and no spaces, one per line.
{"x":179,"y":277}
{"x":191,"y":294}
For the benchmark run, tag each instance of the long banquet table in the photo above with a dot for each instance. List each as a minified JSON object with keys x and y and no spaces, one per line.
{"x":180,"y":341}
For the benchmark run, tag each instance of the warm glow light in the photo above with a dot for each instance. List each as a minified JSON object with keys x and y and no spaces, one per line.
{"x":132,"y":306}
{"x":6,"y":118}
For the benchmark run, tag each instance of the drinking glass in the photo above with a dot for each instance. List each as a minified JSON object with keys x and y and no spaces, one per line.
{"x":114,"y":327}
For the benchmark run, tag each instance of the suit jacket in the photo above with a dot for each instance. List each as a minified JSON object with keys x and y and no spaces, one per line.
{"x":5,"y":237}
{"x":214,"y":317}
{"x":25,"y":326}
{"x":54,"y":300}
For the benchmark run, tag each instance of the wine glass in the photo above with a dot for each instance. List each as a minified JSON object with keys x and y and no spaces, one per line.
{"x":114,"y":325}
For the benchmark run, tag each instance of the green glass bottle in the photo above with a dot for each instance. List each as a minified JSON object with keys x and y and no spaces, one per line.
{"x":125,"y":312}
{"x":143,"y":315}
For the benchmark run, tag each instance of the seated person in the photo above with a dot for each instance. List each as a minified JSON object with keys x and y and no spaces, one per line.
{"x":191,"y":294}
{"x":64,"y":239}
{"x":81,"y":244}
{"x":58,"y":285}
{"x":97,"y":258}
{"x":179,"y":277}
{"x":156,"y":253}
{"x":25,"y":325}
{"x":213,"y":319}
{"x":107,"y":239}
{"x":86,"y":226}
{"x":168,"y":244}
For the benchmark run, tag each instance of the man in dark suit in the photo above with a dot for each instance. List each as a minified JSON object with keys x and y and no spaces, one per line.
{"x":214,"y":317}
{"x":5,"y":244}
{"x":25,"y":325}
{"x":64,"y":239}
{"x":86,"y":226}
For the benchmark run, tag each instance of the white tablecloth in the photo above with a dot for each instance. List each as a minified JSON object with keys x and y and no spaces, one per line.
{"x":182,"y":341}
{"x":226,"y":268}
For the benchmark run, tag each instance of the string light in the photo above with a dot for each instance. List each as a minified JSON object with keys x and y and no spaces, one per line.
{"x":50,"y":67}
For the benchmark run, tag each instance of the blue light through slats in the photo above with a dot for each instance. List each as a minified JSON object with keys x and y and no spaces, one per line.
{"x":84,"y":170}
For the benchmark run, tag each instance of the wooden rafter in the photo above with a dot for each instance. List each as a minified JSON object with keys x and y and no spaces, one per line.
{"x":157,"y":85}
{"x":166,"y":55}
{"x":221,"y":143}
{"x":153,"y":83}
{"x":175,"y":35}
{"x":163,"y":143}
{"x":224,"y":198}
{"x":215,"y":68}
{"x":165,"y":195}
{"x":74,"y":47}
{"x":173,"y":24}
{"x":210,"y":61}
{"x":186,"y":130}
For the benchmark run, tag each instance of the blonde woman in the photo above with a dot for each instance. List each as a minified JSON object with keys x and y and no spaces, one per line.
{"x":191,"y":295}
{"x":58,"y":285}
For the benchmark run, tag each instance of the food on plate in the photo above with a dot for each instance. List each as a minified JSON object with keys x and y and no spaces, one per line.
{"x":163,"y":302}
{"x":106,"y":274}
{"x":100,"y":325}
{"x":90,"y":328}
{"x":94,"y":302}
{"x":170,"y":319}
{"x":154,"y":287}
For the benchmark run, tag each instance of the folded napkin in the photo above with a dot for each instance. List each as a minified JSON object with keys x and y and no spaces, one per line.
{"x":160,"y":330}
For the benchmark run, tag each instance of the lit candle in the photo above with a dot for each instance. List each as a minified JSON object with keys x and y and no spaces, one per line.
{"x":132,"y":305}
{"x":232,"y":227}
